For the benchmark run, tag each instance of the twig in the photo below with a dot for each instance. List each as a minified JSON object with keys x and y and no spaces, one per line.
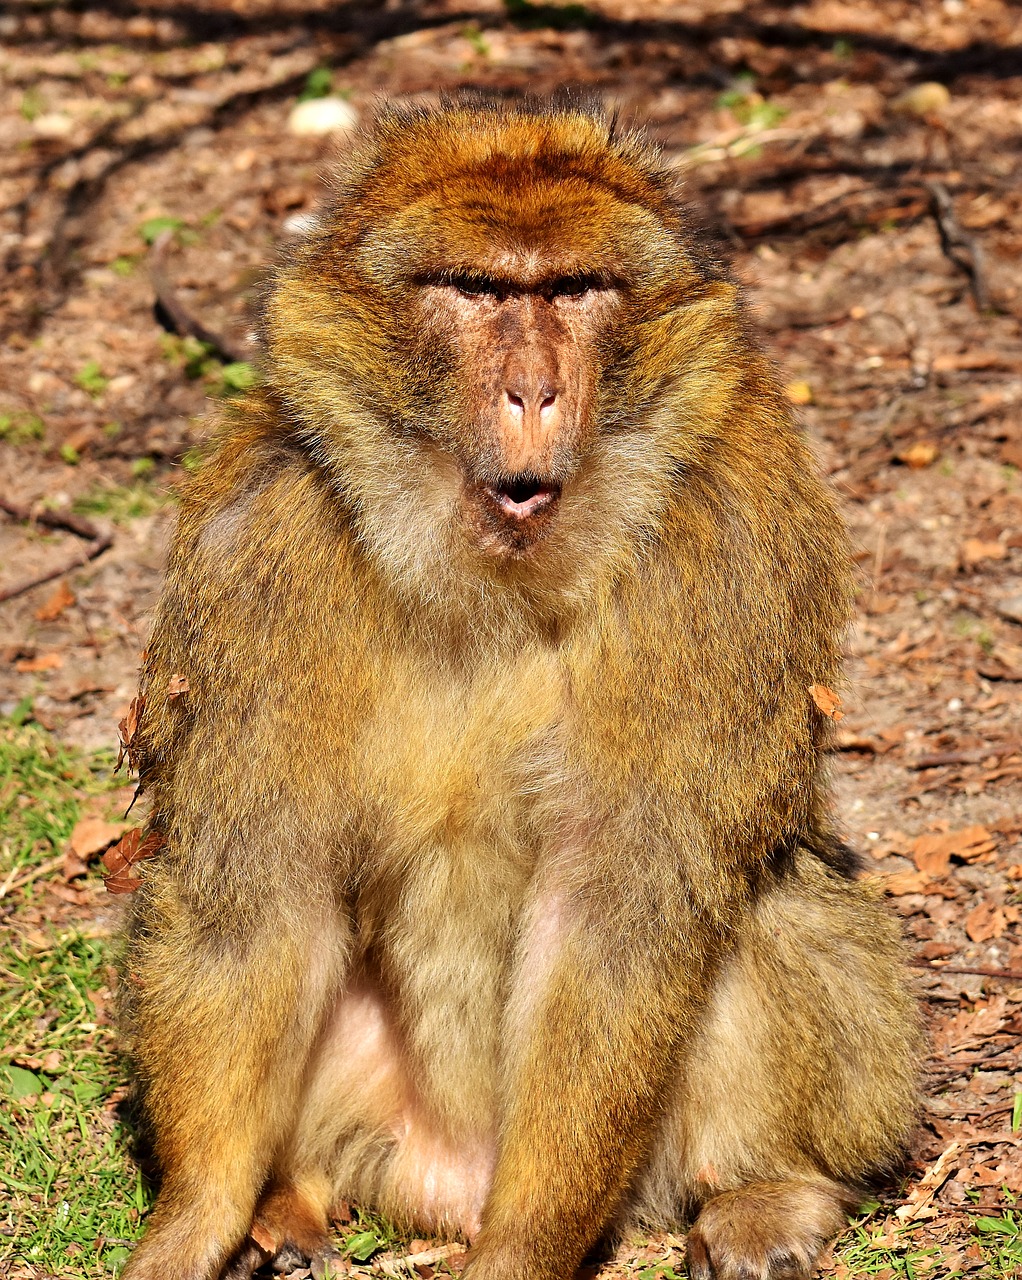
{"x":52,"y":519}
{"x":19,"y":882}
{"x":398,"y":1267}
{"x":958,"y":246}
{"x":177,"y":314}
{"x":88,"y":553}
{"x":949,"y":757}
{"x":1013,"y":975}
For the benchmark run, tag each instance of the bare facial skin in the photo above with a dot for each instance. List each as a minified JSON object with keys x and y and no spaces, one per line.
{"x":524,"y":351}
{"x":496,"y":890}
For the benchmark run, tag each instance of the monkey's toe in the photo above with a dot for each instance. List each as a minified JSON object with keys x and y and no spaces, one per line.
{"x":767,"y":1231}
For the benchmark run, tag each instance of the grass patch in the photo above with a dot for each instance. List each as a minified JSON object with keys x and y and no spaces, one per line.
{"x":71,"y":1195}
{"x":21,"y":428}
{"x":123,"y":502}
{"x":72,"y":1200}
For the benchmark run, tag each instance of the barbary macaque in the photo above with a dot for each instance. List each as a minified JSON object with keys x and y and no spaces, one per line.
{"x":496,"y":890}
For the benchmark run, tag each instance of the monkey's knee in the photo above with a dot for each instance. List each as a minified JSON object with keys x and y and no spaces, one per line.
{"x":766,"y":1230}
{"x":808,"y":1056}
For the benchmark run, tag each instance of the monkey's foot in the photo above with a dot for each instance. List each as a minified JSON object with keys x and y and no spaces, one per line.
{"x":289,"y":1230}
{"x":766,"y":1231}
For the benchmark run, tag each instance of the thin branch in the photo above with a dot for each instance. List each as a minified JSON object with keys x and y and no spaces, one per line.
{"x":959,"y":247}
{"x":1012,"y":975}
{"x":87,"y":553}
{"x":177,"y":314}
{"x":52,"y":519}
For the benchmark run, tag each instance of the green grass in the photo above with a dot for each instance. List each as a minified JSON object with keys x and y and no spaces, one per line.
{"x":21,"y":428}
{"x":121,"y":503}
{"x":71,"y":1196}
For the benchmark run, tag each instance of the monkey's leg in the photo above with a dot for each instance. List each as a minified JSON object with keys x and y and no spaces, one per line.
{"x":801,"y":1083}
{"x":225,"y":1024}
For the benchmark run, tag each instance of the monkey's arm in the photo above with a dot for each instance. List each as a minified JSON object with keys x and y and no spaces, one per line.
{"x":610,"y":981}
{"x":238,"y":932}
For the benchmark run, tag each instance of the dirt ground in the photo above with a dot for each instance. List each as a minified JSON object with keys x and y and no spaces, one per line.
{"x":858,"y":159}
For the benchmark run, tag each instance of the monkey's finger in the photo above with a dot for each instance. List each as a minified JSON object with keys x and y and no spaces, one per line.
{"x":327,"y":1263}
{"x":245,"y":1263}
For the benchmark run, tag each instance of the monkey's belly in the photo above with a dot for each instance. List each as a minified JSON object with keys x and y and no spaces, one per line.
{"x":365,"y":1121}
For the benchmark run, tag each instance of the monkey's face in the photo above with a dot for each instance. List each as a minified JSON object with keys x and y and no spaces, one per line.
{"x":520,"y":357}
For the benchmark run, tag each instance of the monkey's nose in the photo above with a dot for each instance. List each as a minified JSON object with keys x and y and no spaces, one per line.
{"x":526,"y":402}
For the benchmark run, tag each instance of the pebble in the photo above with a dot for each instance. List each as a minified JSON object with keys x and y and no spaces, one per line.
{"x":923,"y":99}
{"x":54,"y":124}
{"x":1011,"y":608}
{"x":320,"y":116}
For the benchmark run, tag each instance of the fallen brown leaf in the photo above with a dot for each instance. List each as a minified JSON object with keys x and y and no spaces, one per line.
{"x":975,"y":549}
{"x":919,"y":454}
{"x":902,"y":882}
{"x":827,"y":701}
{"x":93,"y":835}
{"x":933,"y":851}
{"x":45,"y":662}
{"x":61,"y":599}
{"x":176,"y":686}
{"x":985,"y":921}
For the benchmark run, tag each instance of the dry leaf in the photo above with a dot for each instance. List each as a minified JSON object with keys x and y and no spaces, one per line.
{"x":93,"y":835}
{"x":928,"y":1184}
{"x":985,"y":922}
{"x":903,"y":882}
{"x":176,"y":686}
{"x":827,"y":701}
{"x":45,"y":662}
{"x":126,"y":729}
{"x":971,"y":1028}
{"x":932,"y":852}
{"x":975,"y":549}
{"x":73,"y":866}
{"x":61,"y":599}
{"x":263,"y":1238}
{"x":919,"y":454}
{"x":122,"y":857}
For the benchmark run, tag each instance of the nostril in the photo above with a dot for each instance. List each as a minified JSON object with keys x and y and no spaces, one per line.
{"x":516,"y":401}
{"x":547,"y":401}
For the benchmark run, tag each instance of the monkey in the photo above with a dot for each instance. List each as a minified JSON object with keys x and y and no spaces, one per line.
{"x":497,"y":890}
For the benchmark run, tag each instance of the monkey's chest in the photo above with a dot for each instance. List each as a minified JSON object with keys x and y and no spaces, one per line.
{"x":453,"y":759}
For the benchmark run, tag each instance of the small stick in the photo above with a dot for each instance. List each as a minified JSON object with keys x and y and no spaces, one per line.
{"x":1013,"y":975}
{"x":958,"y":246}
{"x":20,"y":882}
{"x":181,"y":319}
{"x":88,"y":553}
{"x":52,"y":519}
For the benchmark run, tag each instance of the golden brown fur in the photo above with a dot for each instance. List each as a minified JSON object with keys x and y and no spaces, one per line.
{"x":496,"y":891}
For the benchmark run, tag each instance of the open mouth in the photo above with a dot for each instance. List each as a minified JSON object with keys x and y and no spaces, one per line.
{"x":523,"y":496}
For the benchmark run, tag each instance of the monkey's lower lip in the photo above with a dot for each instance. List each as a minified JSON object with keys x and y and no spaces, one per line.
{"x":522,"y":499}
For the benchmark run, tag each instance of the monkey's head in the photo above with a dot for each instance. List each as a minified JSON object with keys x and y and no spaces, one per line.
{"x":502,"y":345}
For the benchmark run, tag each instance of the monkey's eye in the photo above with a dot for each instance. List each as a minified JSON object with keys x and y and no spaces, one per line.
{"x":476,"y":286}
{"x":570,"y":286}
